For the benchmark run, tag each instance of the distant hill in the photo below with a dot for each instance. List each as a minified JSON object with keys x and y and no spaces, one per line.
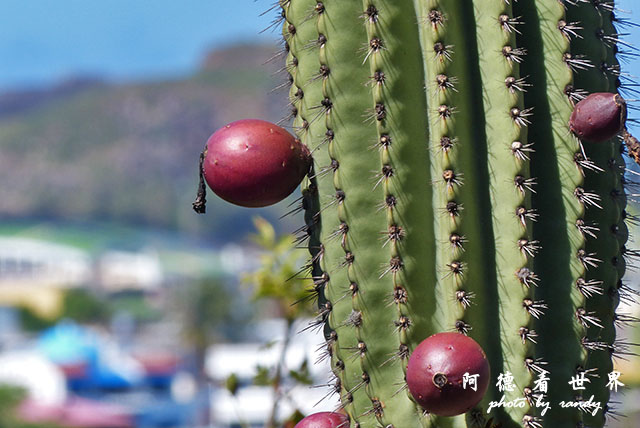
{"x":21,"y":101}
{"x":92,"y":150}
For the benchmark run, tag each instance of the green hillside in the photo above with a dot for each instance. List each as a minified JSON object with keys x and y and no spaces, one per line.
{"x":128,"y":153}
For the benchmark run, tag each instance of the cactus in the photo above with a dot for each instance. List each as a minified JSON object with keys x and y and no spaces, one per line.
{"x":448,"y":194}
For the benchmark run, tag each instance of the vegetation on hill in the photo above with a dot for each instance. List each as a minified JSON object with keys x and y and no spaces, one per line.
{"x":128,"y":153}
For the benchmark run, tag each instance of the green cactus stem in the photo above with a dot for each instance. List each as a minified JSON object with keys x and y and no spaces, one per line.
{"x":448,"y":194}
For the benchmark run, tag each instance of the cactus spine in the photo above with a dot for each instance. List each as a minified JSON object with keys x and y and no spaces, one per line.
{"x":448,"y":195}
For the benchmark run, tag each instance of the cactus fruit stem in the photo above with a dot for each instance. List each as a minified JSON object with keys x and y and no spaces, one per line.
{"x":200,"y":203}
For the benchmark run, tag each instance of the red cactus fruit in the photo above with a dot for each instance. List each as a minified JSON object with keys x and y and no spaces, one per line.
{"x":441,"y":374}
{"x":324,"y":420}
{"x":254,"y":163}
{"x":598,"y":117}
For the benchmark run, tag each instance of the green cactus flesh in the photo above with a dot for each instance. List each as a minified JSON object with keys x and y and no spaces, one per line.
{"x":448,"y":194}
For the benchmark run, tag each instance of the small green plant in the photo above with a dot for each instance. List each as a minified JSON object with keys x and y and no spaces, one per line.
{"x":278,"y":280}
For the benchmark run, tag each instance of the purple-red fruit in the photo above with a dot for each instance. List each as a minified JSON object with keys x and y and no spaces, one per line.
{"x":598,"y":117}
{"x":324,"y":420}
{"x":254,"y":163}
{"x":436,"y":374}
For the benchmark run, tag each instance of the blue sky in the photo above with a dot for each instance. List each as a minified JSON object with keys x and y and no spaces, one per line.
{"x":42,"y":41}
{"x":45,"y":40}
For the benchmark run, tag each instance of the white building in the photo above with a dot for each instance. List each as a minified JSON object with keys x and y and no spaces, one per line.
{"x":124,"y":270}
{"x":28,"y":262}
{"x":35,"y":273}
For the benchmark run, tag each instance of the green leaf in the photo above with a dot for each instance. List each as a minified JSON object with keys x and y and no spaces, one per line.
{"x":232,"y":383}
{"x":302,"y":375}
{"x":263,"y":376}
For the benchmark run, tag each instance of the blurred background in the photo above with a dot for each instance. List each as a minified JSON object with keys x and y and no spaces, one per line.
{"x":119,"y":306}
